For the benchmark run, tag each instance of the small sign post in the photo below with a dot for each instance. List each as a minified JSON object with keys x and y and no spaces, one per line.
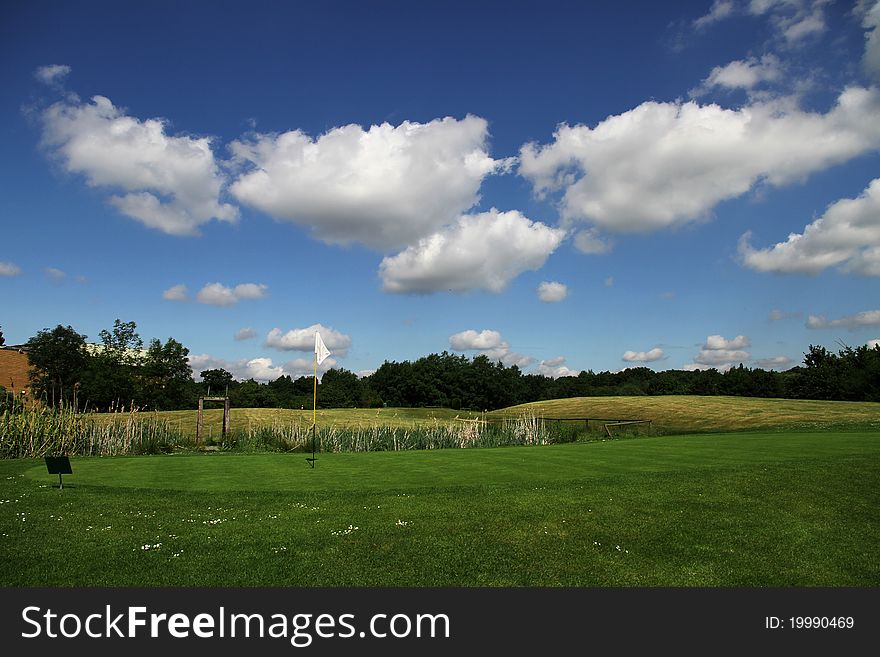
{"x":59,"y":465}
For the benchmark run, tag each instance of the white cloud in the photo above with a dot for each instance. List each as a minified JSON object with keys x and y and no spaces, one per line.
{"x":720,"y":353}
{"x":852,"y":322}
{"x":385,"y":187}
{"x":245,"y":334}
{"x":175,"y":293}
{"x":742,"y":74}
{"x":490,"y":344}
{"x":555,"y":368}
{"x":216,"y":294}
{"x":259,"y":369}
{"x":871,"y":344}
{"x":716,"y":357}
{"x":696,"y":367}
{"x":871,"y":23}
{"x":249,"y":291}
{"x":777,"y":315}
{"x":667,"y":164}
{"x":9,"y":269}
{"x":470,"y":339}
{"x":169,"y":183}
{"x":305,"y":367}
{"x":482,"y":251}
{"x":57,"y":276}
{"x":720,"y":10}
{"x":774,"y":363}
{"x":794,"y":20}
{"x":303,"y":339}
{"x":717,"y":342}
{"x":847,"y":235}
{"x":591,"y":242}
{"x":552,"y":291}
{"x":52,"y":74}
{"x":644,"y":356}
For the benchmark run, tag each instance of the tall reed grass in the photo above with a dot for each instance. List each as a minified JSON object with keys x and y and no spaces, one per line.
{"x":524,"y":430}
{"x":34,"y":432}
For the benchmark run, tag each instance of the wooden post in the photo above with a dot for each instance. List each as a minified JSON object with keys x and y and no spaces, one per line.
{"x":226,"y":418}
{"x":199,"y":422}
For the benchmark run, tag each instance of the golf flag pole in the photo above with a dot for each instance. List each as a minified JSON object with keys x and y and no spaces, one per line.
{"x":321,"y":353}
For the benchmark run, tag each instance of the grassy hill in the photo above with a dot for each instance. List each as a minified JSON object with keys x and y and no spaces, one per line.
{"x":669,"y":414}
{"x":696,"y":414}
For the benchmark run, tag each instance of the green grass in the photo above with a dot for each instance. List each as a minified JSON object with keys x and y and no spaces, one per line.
{"x":243,"y":419}
{"x":697,"y":414}
{"x":670,"y":414}
{"x":740,"y":509}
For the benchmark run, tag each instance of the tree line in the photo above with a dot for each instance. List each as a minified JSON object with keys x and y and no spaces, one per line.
{"x":120,"y":372}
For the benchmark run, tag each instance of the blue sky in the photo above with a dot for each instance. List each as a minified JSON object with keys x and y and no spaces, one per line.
{"x":559,"y":185}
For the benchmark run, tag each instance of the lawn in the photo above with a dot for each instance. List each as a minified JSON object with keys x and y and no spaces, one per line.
{"x":736,"y":509}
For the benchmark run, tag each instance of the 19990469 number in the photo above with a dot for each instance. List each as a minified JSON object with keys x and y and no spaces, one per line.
{"x":821,"y":622}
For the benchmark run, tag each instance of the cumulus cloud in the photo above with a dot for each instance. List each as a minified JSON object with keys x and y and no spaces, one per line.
{"x":718,"y":342}
{"x":489,"y":343}
{"x":470,"y":339}
{"x":774,"y":363}
{"x":9,"y":269}
{"x":720,"y":10}
{"x":175,"y":293}
{"x":303,"y":339}
{"x":720,"y":353}
{"x":846,"y":236}
{"x":852,"y":322}
{"x":741,"y":74}
{"x":482,"y":251}
{"x":57,"y":276}
{"x":259,"y":369}
{"x":385,"y":187}
{"x":170,"y":183}
{"x":871,"y":344}
{"x":217,"y":294}
{"x":591,"y":242}
{"x":793,"y":20}
{"x":871,"y":22}
{"x":245,"y":334}
{"x":777,"y":315}
{"x":53,"y":74}
{"x":644,"y":356}
{"x":552,"y":291}
{"x":668,"y":164}
{"x":555,"y":368}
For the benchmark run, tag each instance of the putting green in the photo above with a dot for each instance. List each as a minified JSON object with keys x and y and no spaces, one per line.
{"x":389,"y":471}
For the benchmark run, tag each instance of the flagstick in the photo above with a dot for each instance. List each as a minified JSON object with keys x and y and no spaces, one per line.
{"x":314,"y":412}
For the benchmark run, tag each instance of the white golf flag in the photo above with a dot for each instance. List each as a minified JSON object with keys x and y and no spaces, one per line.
{"x":321,"y":351}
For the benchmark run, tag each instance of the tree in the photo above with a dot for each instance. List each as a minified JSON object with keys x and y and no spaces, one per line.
{"x":123,"y":344}
{"x":112,"y":378}
{"x":217,"y":380}
{"x":2,"y":339}
{"x":339,"y":388}
{"x":166,"y":376}
{"x":58,"y":362}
